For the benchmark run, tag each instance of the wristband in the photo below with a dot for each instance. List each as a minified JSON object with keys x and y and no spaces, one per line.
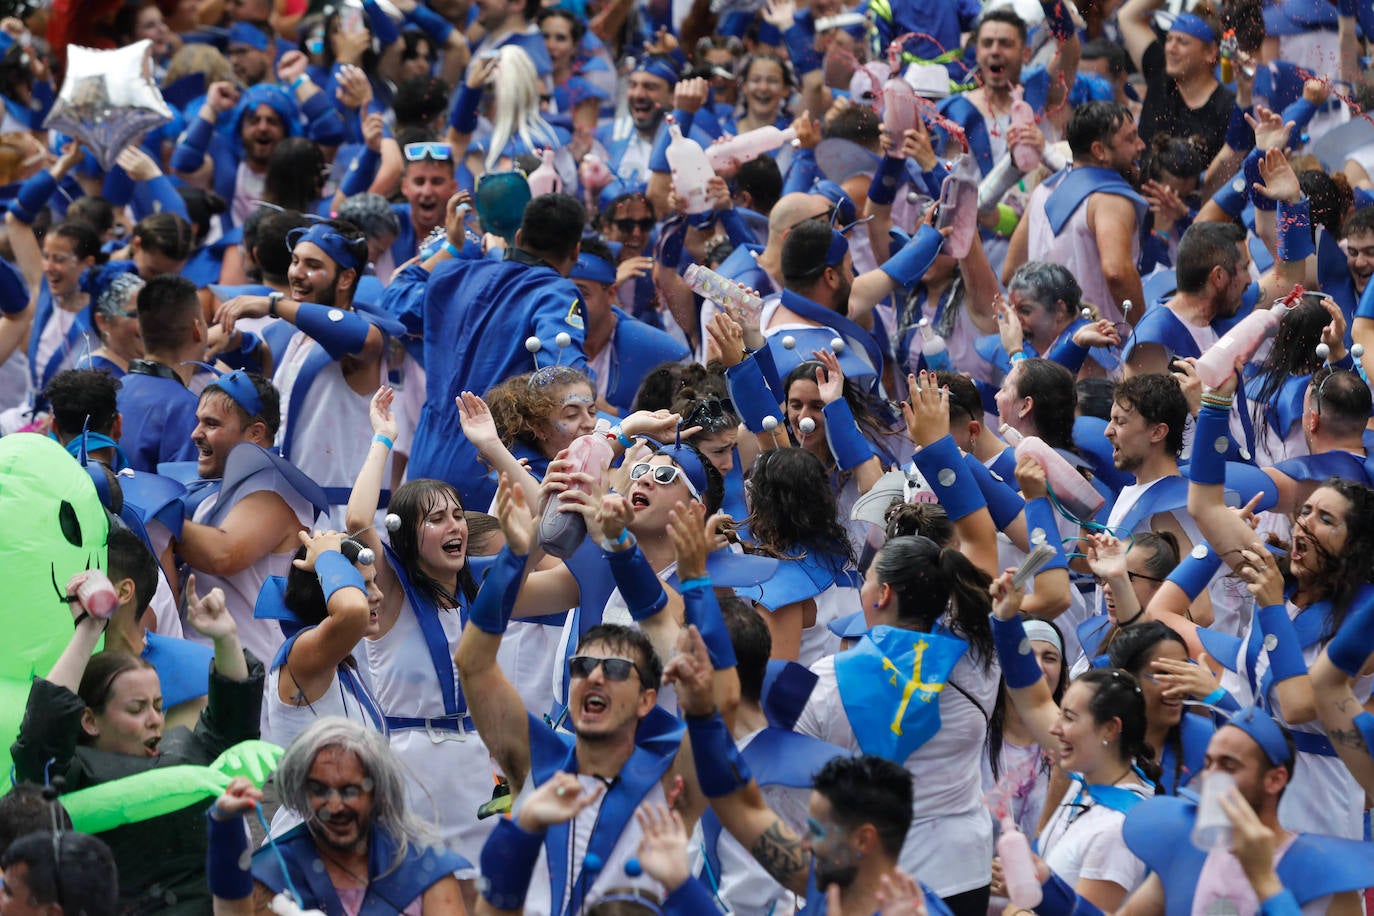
{"x":491,"y":609}
{"x":701,"y":608}
{"x":1295,"y":231}
{"x":1349,"y":8}
{"x":341,"y":333}
{"x":1252,"y":178}
{"x":1042,"y":527}
{"x":1069,"y":354}
{"x":1058,"y":899}
{"x":1007,"y":221}
{"x":463,"y":117}
{"x":911,"y":263}
{"x":299,"y":81}
{"x":1240,"y":136}
{"x":225,"y":853}
{"x":1365,"y":723}
{"x":1232,"y":197}
{"x":1215,"y":697}
{"x":847,"y":443}
{"x":1018,"y":356}
{"x":1350,"y":648}
{"x":721,"y":768}
{"x":638,"y":583}
{"x":1300,"y":112}
{"x":33,"y":196}
{"x":14,"y":293}
{"x":1004,"y":503}
{"x":1281,"y":904}
{"x":882,"y":190}
{"x":1211,"y":442}
{"x":751,"y":395}
{"x":1019,"y":667}
{"x":625,"y":441}
{"x":378,"y":437}
{"x":431,"y":23}
{"x":336,"y":573}
{"x":1196,"y":570}
{"x":507,"y":862}
{"x":943,"y":468}
{"x":450,"y":249}
{"x":383,"y":29}
{"x":1281,"y":642}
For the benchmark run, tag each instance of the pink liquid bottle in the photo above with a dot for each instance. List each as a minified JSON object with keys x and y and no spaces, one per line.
{"x":96,"y":593}
{"x":1018,"y":867}
{"x":1069,"y":486}
{"x":545,"y":180}
{"x":1240,"y":343}
{"x":561,"y":533}
{"x":959,"y":206}
{"x":1025,"y":155}
{"x":691,"y":170}
{"x":748,"y":145}
{"x":899,"y":103}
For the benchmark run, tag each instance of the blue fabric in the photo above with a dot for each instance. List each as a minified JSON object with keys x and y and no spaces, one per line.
{"x":436,"y":642}
{"x":1081,"y":181}
{"x":492,"y":607}
{"x":949,"y":478}
{"x":507,"y":863}
{"x":801,"y":577}
{"x":80,"y":337}
{"x":1350,"y":648}
{"x":227,"y":841}
{"x":638,"y":583}
{"x":702,"y":610}
{"x":159,"y":417}
{"x":1194,"y":734}
{"x":183,"y":667}
{"x":636,"y":349}
{"x":1019,"y":667}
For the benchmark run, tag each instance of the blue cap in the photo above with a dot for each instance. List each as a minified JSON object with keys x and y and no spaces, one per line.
{"x":240,"y":389}
{"x":241,"y":33}
{"x":846,"y":212}
{"x":1267,"y":733}
{"x":617,"y":189}
{"x":591,"y":267}
{"x":850,"y":626}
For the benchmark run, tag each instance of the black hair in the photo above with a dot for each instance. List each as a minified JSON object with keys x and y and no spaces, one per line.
{"x":1353,"y":567}
{"x":703,"y":399}
{"x":763,"y":182}
{"x":594,"y":246}
{"x":660,"y":386}
{"x":296,"y":172}
{"x":869,"y":790}
{"x":411,"y":502}
{"x":1202,"y":247}
{"x":858,"y":124}
{"x":1292,"y":354}
{"x":1112,"y":52}
{"x":1003,"y":14}
{"x":202,"y":207}
{"x":792,"y":505}
{"x":1050,"y":387}
{"x":1117,"y":695}
{"x":872,"y":427}
{"x":1342,"y":399}
{"x":1158,"y":398}
{"x":355,"y":243}
{"x":84,"y":238}
{"x":1130,"y":652}
{"x":130,"y":558}
{"x":929,"y":580}
{"x":1094,"y":122}
{"x":1095,"y":397}
{"x":83,"y":398}
{"x":1185,"y":157}
{"x":964,"y":398}
{"x":419,"y":100}
{"x":26,"y":808}
{"x":1330,"y":197}
{"x":166,"y":234}
{"x":304,"y":595}
{"x":96,"y":212}
{"x":270,"y":416}
{"x":168,"y":309}
{"x":1360,"y":222}
{"x":803,"y":254}
{"x":752,"y":642}
{"x":632,"y":642}
{"x":927,"y":520}
{"x":76,"y":871}
{"x":579,"y":28}
{"x":97,"y":681}
{"x":264,"y":234}
{"x":552,"y":225}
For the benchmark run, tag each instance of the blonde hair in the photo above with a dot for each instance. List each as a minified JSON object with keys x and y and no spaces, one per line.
{"x":195,"y":57}
{"x":515,"y":107}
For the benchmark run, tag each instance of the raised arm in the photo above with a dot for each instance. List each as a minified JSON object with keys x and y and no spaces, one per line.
{"x":1136,"y":21}
{"x":1222,"y":529}
{"x":1026,"y":684}
{"x":480,"y":429}
{"x":317,"y":651}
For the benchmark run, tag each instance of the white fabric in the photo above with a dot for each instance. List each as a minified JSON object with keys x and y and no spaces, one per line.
{"x":1031,"y":786}
{"x":1087,"y":845}
{"x":248,"y":189}
{"x":282,"y":722}
{"x":1075,"y":248}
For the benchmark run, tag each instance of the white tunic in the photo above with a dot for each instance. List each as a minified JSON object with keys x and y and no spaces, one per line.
{"x":1087,"y":844}
{"x":1076,"y":248}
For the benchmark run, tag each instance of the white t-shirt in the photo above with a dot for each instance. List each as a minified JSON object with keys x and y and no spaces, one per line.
{"x":1082,"y":843}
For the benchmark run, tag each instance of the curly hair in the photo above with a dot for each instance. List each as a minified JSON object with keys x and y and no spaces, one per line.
{"x":792,"y":505}
{"x":522,"y":401}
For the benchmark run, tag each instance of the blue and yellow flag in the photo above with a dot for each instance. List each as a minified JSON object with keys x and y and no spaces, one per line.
{"x":890,"y":684}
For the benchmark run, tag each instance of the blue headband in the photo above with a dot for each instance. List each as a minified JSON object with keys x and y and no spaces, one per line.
{"x":328,"y":240}
{"x":590,"y":267}
{"x":839,"y":247}
{"x":1267,"y":733}
{"x":845,"y":210}
{"x":241,"y":390}
{"x":685,"y":457}
{"x":660,"y":67}
{"x":1192,"y":25}
{"x":617,"y":189}
{"x":241,"y":33}
{"x":278,"y":98}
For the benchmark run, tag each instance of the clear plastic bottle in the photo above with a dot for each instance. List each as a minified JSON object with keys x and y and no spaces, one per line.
{"x":726,"y":293}
{"x":1070,"y":487}
{"x":561,"y":533}
{"x":748,"y":145}
{"x":545,"y":180}
{"x":1211,"y":826}
{"x":691,"y":170}
{"x":959,"y":206}
{"x":933,"y":348}
{"x":1018,"y":867}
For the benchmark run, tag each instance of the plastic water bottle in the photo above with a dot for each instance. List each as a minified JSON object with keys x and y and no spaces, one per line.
{"x":1070,"y":487}
{"x":1026,"y":155}
{"x":1211,"y":827}
{"x":1018,"y":867}
{"x":959,"y":206}
{"x":561,"y":533}
{"x":933,"y":347}
{"x":748,"y":145}
{"x":691,"y":170}
{"x":1240,"y":343}
{"x":545,"y":180}
{"x":728,"y":294}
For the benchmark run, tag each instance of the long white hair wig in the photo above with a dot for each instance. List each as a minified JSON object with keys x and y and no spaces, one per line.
{"x":515,"y":106}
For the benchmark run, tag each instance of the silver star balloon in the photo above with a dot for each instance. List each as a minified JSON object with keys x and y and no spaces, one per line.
{"x":109,"y":99}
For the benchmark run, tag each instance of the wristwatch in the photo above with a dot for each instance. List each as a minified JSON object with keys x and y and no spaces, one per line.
{"x":272,"y":299}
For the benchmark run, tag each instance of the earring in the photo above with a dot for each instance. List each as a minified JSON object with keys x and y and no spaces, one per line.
{"x":1105,"y":742}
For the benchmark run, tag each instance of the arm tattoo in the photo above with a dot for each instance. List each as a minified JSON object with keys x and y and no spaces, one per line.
{"x":780,"y":853}
{"x":1350,"y":738}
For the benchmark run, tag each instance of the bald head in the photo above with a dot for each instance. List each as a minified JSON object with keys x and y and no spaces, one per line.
{"x":792,"y":209}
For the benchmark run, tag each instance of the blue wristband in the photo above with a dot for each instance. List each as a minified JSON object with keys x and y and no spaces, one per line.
{"x":491,"y":609}
{"x":341,"y":332}
{"x":1295,"y":231}
{"x":1281,"y":642}
{"x":1215,"y":697}
{"x":1019,"y":667}
{"x":625,"y":441}
{"x":383,"y":29}
{"x":335,"y":573}
{"x":1240,"y":136}
{"x":378,"y":437}
{"x":688,"y":585}
{"x":911,"y":263}
{"x":1196,"y":570}
{"x":721,"y":768}
{"x":450,"y":249}
{"x":1232,"y":197}
{"x":1211,"y":442}
{"x":33,"y":196}
{"x":638,"y":583}
{"x":508,"y":859}
{"x":1252,"y":178}
{"x":1350,"y":648}
{"x":751,"y":395}
{"x":225,"y":852}
{"x":1004,"y":503}
{"x":1068,"y":354}
{"x":847,"y":443}
{"x":14,"y":292}
{"x":1281,"y":904}
{"x":701,"y":608}
{"x":882,"y":190}
{"x":1059,"y":899}
{"x":463,"y":117}
{"x":1042,"y":527}
{"x":944,"y":470}
{"x":1300,"y":112}
{"x":431,"y":23}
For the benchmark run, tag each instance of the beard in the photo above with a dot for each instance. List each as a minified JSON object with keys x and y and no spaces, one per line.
{"x":841,"y":874}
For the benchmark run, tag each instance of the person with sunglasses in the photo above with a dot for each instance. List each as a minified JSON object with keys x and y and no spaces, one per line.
{"x":628,"y":221}
{"x":427,"y":183}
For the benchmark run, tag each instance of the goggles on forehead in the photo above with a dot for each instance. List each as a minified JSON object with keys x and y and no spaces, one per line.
{"x":438,"y":152}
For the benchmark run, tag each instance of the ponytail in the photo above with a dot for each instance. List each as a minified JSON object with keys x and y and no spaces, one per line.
{"x":929,"y":580}
{"x":1117,"y":695}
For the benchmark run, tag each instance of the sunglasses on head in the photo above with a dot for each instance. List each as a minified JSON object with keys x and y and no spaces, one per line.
{"x":439,"y":152}
{"x":712,"y":414}
{"x":615,"y":669}
{"x":630,"y":225}
{"x":664,"y":474}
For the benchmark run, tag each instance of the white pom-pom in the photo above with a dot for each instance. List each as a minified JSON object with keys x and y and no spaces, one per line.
{"x":1088,"y":314}
{"x":1323,"y":352}
{"x":789,"y":342}
{"x":837,"y":344}
{"x":564,"y":339}
{"x":807,"y":425}
{"x":1126,"y":306}
{"x":770,"y":423}
{"x":912,"y":197}
{"x":366,"y":557}
{"x":1357,"y":350}
{"x":533,"y":344}
{"x":393,"y":522}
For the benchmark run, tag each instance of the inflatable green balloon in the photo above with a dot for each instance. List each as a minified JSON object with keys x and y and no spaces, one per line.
{"x":52,"y":527}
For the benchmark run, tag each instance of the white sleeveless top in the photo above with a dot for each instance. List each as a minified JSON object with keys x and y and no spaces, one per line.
{"x":282,"y":722}
{"x":1076,"y":248}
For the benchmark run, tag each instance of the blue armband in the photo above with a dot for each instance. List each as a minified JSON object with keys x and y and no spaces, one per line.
{"x":33,"y":196}
{"x":1069,"y":354}
{"x":1215,"y":697}
{"x":225,"y":853}
{"x":1300,"y":112}
{"x":118,"y":188}
{"x":1350,"y":648}
{"x":732,"y":222}
{"x":702,"y":609}
{"x":1252,"y":178}
{"x":1042,"y":527}
{"x":1195,"y":570}
{"x":14,"y":292}
{"x":361,"y":171}
{"x":800,"y":49}
{"x":1058,"y":20}
{"x":1295,"y":231}
{"x":383,"y":29}
{"x":1211,"y":442}
{"x":672,"y":238}
{"x":1019,"y":667}
{"x":1281,"y":904}
{"x":1240,"y":136}
{"x":491,"y":609}
{"x":1365,"y":723}
{"x":1004,"y":502}
{"x":1281,"y":642}
{"x":431,"y":23}
{"x":1058,"y":899}
{"x":1233,"y":196}
{"x":882,"y":190}
{"x":1349,"y":8}
{"x":335,"y":572}
{"x":463,"y":117}
{"x":911,"y":263}
{"x":341,"y":333}
{"x":847,"y":443}
{"x":691,"y":898}
{"x":943,"y":468}
{"x":751,"y":395}
{"x":507,"y":862}
{"x":638,"y":583}
{"x":721,"y":768}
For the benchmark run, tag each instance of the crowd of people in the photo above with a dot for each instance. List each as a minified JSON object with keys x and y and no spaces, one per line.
{"x":973,"y":455}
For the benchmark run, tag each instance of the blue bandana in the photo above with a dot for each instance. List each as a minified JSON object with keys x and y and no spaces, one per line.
{"x":278,"y":98}
{"x":686,"y":458}
{"x":327,"y":239}
{"x":845,"y":210}
{"x":1192,"y":25}
{"x":660,"y":67}
{"x":241,"y":33}
{"x":1259,"y":725}
{"x":590,"y":267}
{"x":241,"y":391}
{"x":839,"y":247}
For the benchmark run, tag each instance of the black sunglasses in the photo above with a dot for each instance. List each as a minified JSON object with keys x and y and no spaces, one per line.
{"x":616,"y":669}
{"x":630,"y":225}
